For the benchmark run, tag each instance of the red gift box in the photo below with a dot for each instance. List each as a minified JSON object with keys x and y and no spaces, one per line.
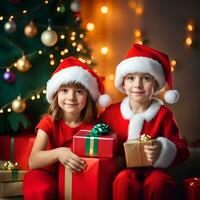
{"x":16,"y":148}
{"x":192,"y":188}
{"x":94,"y":146}
{"x":94,"y":183}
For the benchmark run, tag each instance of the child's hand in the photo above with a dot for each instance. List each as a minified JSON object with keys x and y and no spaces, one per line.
{"x":153,"y":151}
{"x":70,"y":160}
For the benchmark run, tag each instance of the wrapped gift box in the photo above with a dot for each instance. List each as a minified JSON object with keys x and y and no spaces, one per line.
{"x":84,"y":144}
{"x":11,"y":189}
{"x":16,"y":148}
{"x":8,"y":175}
{"x":94,"y":183}
{"x":134,"y":153}
{"x":192,"y":188}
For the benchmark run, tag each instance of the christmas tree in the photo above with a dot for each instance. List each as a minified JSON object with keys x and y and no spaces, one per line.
{"x":34,"y":37}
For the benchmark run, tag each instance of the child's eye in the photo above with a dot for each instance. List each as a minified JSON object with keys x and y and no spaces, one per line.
{"x":64,"y":90}
{"x":130,"y":78}
{"x":79,"y":91}
{"x":146,"y":78}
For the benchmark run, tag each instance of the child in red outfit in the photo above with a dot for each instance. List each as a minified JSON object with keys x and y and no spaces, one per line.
{"x":143,"y":73}
{"x":72,"y":92}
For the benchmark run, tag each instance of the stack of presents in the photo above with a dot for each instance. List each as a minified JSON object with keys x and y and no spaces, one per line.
{"x":98,"y":147}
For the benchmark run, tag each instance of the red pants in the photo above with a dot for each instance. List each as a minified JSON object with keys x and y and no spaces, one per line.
{"x":136,"y":184}
{"x":40,"y":185}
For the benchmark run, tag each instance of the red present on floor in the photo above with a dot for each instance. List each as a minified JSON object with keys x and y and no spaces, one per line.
{"x":94,"y":183}
{"x":192,"y":188}
{"x":85,"y":144}
{"x":16,"y":148}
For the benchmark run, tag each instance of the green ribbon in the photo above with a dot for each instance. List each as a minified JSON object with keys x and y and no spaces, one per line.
{"x":91,"y":147}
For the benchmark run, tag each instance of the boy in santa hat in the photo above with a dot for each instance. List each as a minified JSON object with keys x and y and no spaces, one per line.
{"x":143,"y":73}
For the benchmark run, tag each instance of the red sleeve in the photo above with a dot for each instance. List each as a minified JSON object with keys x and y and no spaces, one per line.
{"x":171,"y":131}
{"x":46,"y":124}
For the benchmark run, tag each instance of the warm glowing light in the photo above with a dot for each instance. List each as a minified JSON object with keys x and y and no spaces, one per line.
{"x":139,"y":10}
{"x":90,"y":26}
{"x":81,"y":59}
{"x":137,"y":33}
{"x":73,"y":33}
{"x":38,"y":96}
{"x":58,"y":9}
{"x":9,"y":109}
{"x":1,"y":111}
{"x":62,"y":37}
{"x":52,"y":62}
{"x":66,"y":50}
{"x":62,"y":53}
{"x":40,"y":52}
{"x":44,"y":91}
{"x":1,"y":18}
{"x":51,"y":56}
{"x":81,"y":35}
{"x":33,"y":98}
{"x":111,"y":77}
{"x":188,"y":41}
{"x":173,"y":65}
{"x":73,"y":44}
{"x":104,"y":50}
{"x":89,"y":62}
{"x":73,"y":38}
{"x":104,"y":9}
{"x":190,"y":27}
{"x":24,"y":11}
{"x":46,"y":2}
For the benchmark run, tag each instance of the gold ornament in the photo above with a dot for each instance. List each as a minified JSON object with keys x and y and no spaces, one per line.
{"x":49,"y":37}
{"x":18,"y":105}
{"x":30,"y":30}
{"x":23,"y":64}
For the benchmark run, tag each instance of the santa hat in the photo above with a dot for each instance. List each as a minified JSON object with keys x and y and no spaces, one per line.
{"x":143,"y":59}
{"x":73,"y":70}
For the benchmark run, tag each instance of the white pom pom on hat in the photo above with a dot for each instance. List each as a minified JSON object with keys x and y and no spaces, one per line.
{"x":72,"y":69}
{"x":143,"y":59}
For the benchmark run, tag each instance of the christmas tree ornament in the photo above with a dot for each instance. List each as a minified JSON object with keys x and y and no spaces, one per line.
{"x":30,"y":30}
{"x":75,"y":6}
{"x":18,"y":105}
{"x":10,"y":26}
{"x":9,"y":76}
{"x":23,"y":64}
{"x":49,"y":37}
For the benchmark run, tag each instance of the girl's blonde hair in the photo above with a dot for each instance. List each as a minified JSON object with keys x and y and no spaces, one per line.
{"x":88,"y":114}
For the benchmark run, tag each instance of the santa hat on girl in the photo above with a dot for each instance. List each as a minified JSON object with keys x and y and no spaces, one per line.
{"x":143,"y":59}
{"x":73,"y":70}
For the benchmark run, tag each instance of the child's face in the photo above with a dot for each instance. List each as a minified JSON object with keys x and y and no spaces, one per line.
{"x":72,"y":99}
{"x":139,"y":87}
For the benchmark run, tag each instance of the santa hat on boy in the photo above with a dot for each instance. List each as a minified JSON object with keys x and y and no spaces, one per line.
{"x":73,"y":70}
{"x":143,"y":59}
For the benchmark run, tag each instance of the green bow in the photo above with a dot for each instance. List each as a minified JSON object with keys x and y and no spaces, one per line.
{"x":100,"y":129}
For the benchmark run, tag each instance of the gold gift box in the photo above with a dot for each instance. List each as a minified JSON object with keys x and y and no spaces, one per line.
{"x":134,"y":153}
{"x":11,"y":189}
{"x":8,"y":175}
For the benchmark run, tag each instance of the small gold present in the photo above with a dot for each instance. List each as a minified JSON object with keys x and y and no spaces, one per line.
{"x":134,"y":151}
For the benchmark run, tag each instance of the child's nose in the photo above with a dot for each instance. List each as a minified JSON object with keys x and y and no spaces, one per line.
{"x":138,"y":82}
{"x":71,"y":95}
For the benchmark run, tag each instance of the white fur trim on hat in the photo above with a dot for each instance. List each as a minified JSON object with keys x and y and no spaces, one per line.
{"x":75,"y":73}
{"x":167,"y":154}
{"x":140,"y":65}
{"x":104,"y":100}
{"x":171,"y":96}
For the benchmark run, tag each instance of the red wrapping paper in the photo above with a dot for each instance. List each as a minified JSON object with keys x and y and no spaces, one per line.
{"x":21,"y":149}
{"x":192,"y":188}
{"x":94,"y":183}
{"x":107,"y":145}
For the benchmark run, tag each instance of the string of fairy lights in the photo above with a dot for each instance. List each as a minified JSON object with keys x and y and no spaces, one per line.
{"x":49,"y":38}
